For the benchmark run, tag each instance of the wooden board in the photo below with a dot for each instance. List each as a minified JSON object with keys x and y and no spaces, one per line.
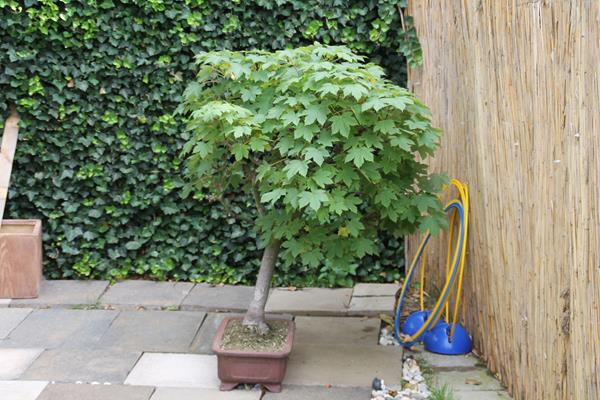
{"x":515,"y":86}
{"x":7,"y":154}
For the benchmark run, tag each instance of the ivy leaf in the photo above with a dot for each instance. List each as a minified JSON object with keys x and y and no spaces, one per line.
{"x":133,"y":245}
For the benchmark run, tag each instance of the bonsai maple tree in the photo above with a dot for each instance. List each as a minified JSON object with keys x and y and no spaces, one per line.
{"x":323,"y":142}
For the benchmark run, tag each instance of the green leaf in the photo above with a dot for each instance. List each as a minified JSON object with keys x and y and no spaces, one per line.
{"x":313,"y":199}
{"x":342,"y":123}
{"x":240,"y":151}
{"x":133,"y":245}
{"x":355,"y":90}
{"x":316,"y":112}
{"x":359,"y":155}
{"x":316,"y":155}
{"x":323,"y":177}
{"x":386,"y":126}
{"x":403,"y":142}
{"x":305,"y":132}
{"x":296,"y":167}
{"x":385,"y":196}
{"x":273,"y":196}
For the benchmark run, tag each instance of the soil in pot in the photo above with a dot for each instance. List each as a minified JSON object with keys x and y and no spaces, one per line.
{"x":239,"y":337}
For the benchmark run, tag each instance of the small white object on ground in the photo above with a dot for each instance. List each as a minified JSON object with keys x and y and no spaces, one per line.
{"x":413,"y":388}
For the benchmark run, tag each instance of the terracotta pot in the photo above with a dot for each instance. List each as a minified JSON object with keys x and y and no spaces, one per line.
{"x":266,"y":368}
{"x":20,"y":258}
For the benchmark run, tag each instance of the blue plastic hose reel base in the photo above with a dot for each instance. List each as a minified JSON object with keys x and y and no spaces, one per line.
{"x":438,"y":340}
{"x":414,"y":322}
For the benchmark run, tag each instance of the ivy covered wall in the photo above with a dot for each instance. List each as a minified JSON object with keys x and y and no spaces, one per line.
{"x":96,"y":84}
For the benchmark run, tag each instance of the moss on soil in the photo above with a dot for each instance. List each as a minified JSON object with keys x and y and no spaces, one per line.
{"x":238,"y":337}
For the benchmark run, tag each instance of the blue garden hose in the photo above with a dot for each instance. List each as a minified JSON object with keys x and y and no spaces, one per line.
{"x":437,"y":309}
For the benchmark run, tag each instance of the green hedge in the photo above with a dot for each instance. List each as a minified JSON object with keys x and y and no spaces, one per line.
{"x":96,"y":83}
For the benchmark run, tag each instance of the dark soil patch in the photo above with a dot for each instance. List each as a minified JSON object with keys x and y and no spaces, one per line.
{"x":238,"y":337}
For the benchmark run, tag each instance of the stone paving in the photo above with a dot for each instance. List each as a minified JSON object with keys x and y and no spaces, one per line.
{"x":139,"y":340}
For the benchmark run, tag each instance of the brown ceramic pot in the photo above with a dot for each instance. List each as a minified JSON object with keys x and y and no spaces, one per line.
{"x":20,"y":258}
{"x":265,"y":368}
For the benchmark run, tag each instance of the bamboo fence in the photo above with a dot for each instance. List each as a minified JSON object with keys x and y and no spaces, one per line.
{"x":515,"y":86}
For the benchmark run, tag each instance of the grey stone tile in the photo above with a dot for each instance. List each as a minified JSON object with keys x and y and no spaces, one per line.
{"x":64,"y":294}
{"x":5,"y":303}
{"x":21,"y":390}
{"x":175,"y":370}
{"x":346,"y":366}
{"x":372,"y":306}
{"x":151,"y":295}
{"x":440,"y":361}
{"x":167,"y":393}
{"x":319,"y":393}
{"x":60,"y":328}
{"x":336,"y":330}
{"x":309,"y":301}
{"x":481,"y":395}
{"x":375,"y":289}
{"x":10,"y":318}
{"x":69,"y":366}
{"x":457,"y":380}
{"x":15,"y":361}
{"x":218,"y":298}
{"x":70,"y":391}
{"x":203,"y":341}
{"x":156,"y":331}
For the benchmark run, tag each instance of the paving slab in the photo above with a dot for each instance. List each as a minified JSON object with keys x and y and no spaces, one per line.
{"x":481,"y":395}
{"x":321,"y":365}
{"x":15,"y":361}
{"x":228,"y":298}
{"x":53,"y":328}
{"x":457,"y":380}
{"x":175,"y":370}
{"x":132,"y":294}
{"x":4,"y":303}
{"x":70,"y":366}
{"x":375,"y":289}
{"x":70,"y":391}
{"x":165,"y":393}
{"x":372,"y":306}
{"x":10,"y":318}
{"x":336,"y":330}
{"x":319,"y":393}
{"x":309,"y":301}
{"x":21,"y":390}
{"x":203,"y":341}
{"x":62,"y":293}
{"x":440,"y":361}
{"x":152,"y":331}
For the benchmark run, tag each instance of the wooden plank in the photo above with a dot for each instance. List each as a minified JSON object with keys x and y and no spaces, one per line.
{"x":7,"y":154}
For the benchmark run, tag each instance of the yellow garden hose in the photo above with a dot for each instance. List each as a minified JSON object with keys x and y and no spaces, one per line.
{"x":454,"y":266}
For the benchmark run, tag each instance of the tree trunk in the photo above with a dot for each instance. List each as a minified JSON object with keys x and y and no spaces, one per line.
{"x":255,"y":316}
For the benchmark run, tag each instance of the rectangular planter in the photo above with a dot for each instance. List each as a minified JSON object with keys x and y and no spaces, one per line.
{"x":20,"y":258}
{"x":266,"y":368}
